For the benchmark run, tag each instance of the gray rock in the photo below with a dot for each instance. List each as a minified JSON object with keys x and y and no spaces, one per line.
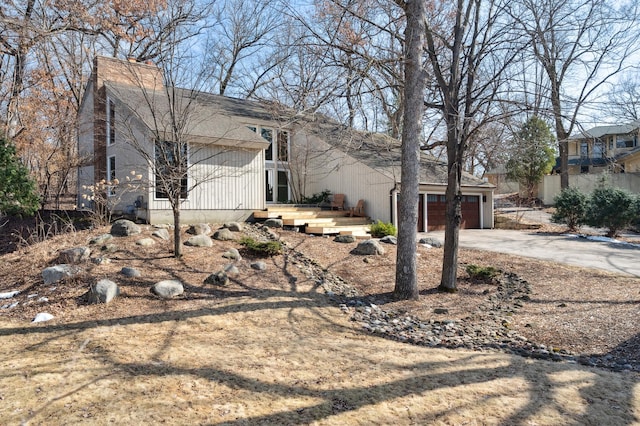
{"x":219,"y":278}
{"x":201,"y":240}
{"x":233,"y":226}
{"x":100,"y":260}
{"x":231,"y":269}
{"x":130,"y":272}
{"x":368,"y":247}
{"x":161,"y":233}
{"x":433,"y":242}
{"x":42,"y":317}
{"x":259,"y":266}
{"x":273,"y":223}
{"x":103,"y":291}
{"x":124,"y":228}
{"x":232,"y":253}
{"x":54,"y":274}
{"x":199,"y":229}
{"x":74,"y":255}
{"x":109,"y":248}
{"x":167,"y":288}
{"x":100,"y":239}
{"x":345,"y":239}
{"x":146,"y":242}
{"x":389,"y":239}
{"x":223,"y":234}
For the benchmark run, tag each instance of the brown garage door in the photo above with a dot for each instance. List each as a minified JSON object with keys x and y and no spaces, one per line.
{"x":436,"y":211}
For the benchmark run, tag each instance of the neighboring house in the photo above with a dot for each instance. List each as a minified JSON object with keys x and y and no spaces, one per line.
{"x":605,"y":148}
{"x":245,"y":155}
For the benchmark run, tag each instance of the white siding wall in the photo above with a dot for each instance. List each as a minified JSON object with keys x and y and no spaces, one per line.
{"x":329,"y":168}
{"x":226,"y":179}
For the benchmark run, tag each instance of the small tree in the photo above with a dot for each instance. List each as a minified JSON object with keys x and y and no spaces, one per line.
{"x":571,"y":207}
{"x":18,"y":193}
{"x":533,"y":154}
{"x":611,"y":208}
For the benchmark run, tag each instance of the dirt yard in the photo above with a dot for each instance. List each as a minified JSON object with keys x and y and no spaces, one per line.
{"x":272,"y":348}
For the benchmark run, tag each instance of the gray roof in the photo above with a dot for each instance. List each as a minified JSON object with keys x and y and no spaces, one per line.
{"x":600,"y":131}
{"x":199,"y":120}
{"x":383,"y":153}
{"x":376,"y":150}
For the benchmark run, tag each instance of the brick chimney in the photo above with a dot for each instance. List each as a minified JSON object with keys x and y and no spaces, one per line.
{"x":127,"y":72}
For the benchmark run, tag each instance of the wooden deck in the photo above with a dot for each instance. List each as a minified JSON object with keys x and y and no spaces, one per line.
{"x":314,"y":220}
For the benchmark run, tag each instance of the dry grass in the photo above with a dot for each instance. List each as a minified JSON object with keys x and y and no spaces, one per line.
{"x":269,"y":349}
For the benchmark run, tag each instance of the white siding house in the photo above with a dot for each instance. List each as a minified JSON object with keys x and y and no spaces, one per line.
{"x":243,"y":155}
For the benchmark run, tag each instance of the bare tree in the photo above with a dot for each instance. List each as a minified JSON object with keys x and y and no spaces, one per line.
{"x":406,"y":286}
{"x":469,"y":69}
{"x":623,"y":99}
{"x":580,"y":45}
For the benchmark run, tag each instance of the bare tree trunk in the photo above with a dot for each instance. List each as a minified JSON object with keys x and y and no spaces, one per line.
{"x":448,"y":282}
{"x":177,"y":244}
{"x":406,"y":286}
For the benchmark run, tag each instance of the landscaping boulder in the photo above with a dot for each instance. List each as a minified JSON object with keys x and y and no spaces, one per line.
{"x":433,"y":242}
{"x":167,"y":288}
{"x":259,"y":266}
{"x":100,"y":239}
{"x":223,"y":234}
{"x":233,"y":226}
{"x":124,"y":228}
{"x":201,"y":240}
{"x":109,"y":248}
{"x":219,"y":278}
{"x":145,"y":242}
{"x":74,"y":255}
{"x":233,"y":254}
{"x":389,"y":239}
{"x":345,"y":239}
{"x":42,"y":317}
{"x":54,"y":274}
{"x":130,"y":272}
{"x":103,"y":291}
{"x":273,"y":223}
{"x":231,"y":269}
{"x":199,"y":229}
{"x":161,"y":233}
{"x":368,"y":247}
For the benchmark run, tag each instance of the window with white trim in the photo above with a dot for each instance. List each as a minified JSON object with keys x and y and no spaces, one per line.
{"x":171,"y":169}
{"x":111,"y":122}
{"x":111,"y":175}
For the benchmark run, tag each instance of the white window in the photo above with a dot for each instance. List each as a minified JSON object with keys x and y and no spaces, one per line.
{"x":111,"y":175}
{"x":171,"y":169}
{"x":111,"y":122}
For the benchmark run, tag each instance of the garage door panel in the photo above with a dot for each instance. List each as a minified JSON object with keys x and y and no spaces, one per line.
{"x":436,"y":212}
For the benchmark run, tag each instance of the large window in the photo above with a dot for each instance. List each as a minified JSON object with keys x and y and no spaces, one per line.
{"x":598,"y":149}
{"x":171,"y":169}
{"x":584,"y":149}
{"x":626,"y":141}
{"x":276,"y":158}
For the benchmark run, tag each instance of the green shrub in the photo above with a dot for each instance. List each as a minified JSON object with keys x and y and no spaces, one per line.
{"x":482,"y":273}
{"x":18,"y":191}
{"x":259,"y":248}
{"x":571,"y":207}
{"x":318,"y":198}
{"x":381,"y":229}
{"x":611,"y":208}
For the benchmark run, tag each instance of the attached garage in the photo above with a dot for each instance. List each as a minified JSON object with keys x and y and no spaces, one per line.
{"x":435,"y":212}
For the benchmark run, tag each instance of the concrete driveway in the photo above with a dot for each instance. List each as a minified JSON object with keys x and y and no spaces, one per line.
{"x":572,"y":250}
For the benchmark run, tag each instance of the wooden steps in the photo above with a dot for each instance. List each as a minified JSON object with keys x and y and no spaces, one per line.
{"x":317,"y":221}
